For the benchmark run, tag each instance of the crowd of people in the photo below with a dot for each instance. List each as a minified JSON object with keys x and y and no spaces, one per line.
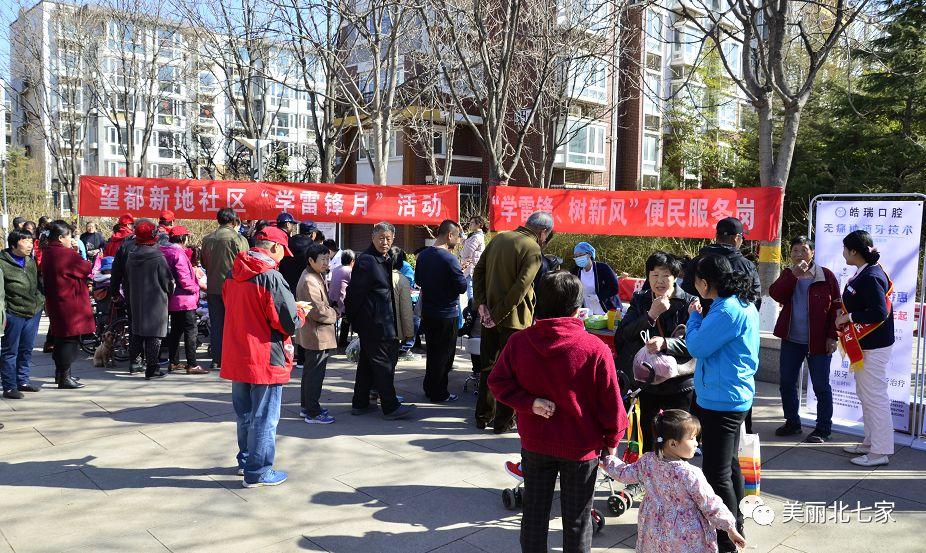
{"x":297,"y":298}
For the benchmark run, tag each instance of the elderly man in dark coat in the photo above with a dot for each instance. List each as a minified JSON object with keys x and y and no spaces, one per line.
{"x":148,"y":284}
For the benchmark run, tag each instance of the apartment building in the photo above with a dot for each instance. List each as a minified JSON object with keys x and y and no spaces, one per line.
{"x":148,"y":98}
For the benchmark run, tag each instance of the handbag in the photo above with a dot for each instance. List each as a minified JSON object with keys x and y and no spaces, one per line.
{"x":750,"y":459}
{"x":632,"y":453}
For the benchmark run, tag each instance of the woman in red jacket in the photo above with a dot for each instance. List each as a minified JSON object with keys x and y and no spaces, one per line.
{"x":562,"y":382}
{"x":809,"y":298}
{"x":67,"y":300}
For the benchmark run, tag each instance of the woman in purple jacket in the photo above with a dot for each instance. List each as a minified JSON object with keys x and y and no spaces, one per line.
{"x":182,"y":304}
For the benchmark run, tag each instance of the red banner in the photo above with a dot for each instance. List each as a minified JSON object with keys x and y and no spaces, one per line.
{"x":672,"y":213}
{"x":201,"y":199}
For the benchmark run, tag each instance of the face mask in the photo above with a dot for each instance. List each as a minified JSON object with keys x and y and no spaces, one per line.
{"x":581,"y":262}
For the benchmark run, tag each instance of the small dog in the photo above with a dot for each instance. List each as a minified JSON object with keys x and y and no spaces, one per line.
{"x":103,"y":357}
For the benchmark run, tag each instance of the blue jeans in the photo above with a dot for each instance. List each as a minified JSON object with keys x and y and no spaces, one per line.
{"x":257,"y":407}
{"x":792,"y":357}
{"x":16,"y":351}
{"x":216,"y":325}
{"x":410,"y":343}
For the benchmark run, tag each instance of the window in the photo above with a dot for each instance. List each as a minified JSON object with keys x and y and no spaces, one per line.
{"x":732,"y":52}
{"x":590,"y":81}
{"x":586,"y":144}
{"x":71,"y":133}
{"x":654,"y":38}
{"x":727,"y":114}
{"x":438,"y":142}
{"x":281,"y":124}
{"x":206,"y":112}
{"x":650,"y":152}
{"x":168,"y":144}
{"x":70,"y":98}
{"x":367,"y":141}
{"x":169,"y":112}
{"x":115,"y":168}
{"x":169,"y":79}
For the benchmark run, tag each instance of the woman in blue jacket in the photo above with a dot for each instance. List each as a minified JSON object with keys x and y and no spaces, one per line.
{"x":725,"y":344}
{"x":865,"y":306}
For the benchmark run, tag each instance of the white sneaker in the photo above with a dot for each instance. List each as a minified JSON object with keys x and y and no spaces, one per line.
{"x":871,"y":460}
{"x":858,"y":449}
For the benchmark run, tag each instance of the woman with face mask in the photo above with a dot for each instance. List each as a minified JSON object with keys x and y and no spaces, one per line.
{"x":598,"y":280}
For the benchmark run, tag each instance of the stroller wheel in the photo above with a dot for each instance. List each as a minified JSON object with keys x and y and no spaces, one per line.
{"x":597,"y":521}
{"x":615,"y":506}
{"x":508,"y":499}
{"x":518,"y":498}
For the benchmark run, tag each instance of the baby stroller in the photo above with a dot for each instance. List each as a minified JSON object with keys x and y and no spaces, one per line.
{"x":512,"y":498}
{"x":619,"y":502}
{"x":470,"y":332}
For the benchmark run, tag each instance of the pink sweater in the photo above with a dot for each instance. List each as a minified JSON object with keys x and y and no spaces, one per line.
{"x":556,"y":359}
{"x":186,"y":293}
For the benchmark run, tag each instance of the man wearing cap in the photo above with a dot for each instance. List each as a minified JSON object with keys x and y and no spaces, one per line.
{"x":258,"y":354}
{"x":149,"y":284}
{"x":165,"y":222}
{"x":219,"y":250}
{"x":730,"y":235}
{"x":183,"y":302}
{"x":286,"y":223}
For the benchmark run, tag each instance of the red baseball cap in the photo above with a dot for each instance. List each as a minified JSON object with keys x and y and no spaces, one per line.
{"x":126,"y":219}
{"x":178,"y":230}
{"x":277,"y":236}
{"x":146,"y":233}
{"x":167,"y":216}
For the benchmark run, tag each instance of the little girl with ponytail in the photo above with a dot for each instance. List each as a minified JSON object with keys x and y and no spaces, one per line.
{"x":681,"y":512}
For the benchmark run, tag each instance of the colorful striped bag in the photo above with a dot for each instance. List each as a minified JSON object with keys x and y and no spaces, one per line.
{"x":750,"y":458}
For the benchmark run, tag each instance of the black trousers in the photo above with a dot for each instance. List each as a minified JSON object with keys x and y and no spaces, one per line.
{"x":313,"y":375}
{"x":182,"y":323}
{"x":151,"y":346}
{"x":720,"y":438}
{"x":489,"y":411}
{"x":576,"y":494}
{"x":650,"y":404}
{"x":65,"y":352}
{"x":441,"y":343}
{"x":376,"y":368}
{"x":344,"y":332}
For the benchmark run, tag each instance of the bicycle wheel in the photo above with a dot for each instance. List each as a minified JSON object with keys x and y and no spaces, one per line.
{"x":89,"y":343}
{"x":120,"y":331}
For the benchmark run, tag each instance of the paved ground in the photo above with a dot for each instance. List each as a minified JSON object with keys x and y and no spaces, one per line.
{"x":126,"y":465}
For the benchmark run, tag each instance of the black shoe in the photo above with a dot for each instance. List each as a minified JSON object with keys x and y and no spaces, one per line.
{"x":28,"y":388}
{"x":504,"y":430}
{"x":789,"y":429}
{"x":449,"y":399}
{"x":155,"y":375}
{"x":68,"y":383}
{"x":12,"y":394}
{"x":356,"y":411}
{"x":481,"y":425}
{"x":136,"y":367}
{"x":401,"y":412}
{"x":818,"y":437}
{"x":214,"y":366}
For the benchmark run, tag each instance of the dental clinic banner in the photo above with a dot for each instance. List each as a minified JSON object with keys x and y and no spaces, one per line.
{"x":895,"y":228}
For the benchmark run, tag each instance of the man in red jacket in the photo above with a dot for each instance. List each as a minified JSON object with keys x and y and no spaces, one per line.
{"x":562,"y":383}
{"x":258,"y":352}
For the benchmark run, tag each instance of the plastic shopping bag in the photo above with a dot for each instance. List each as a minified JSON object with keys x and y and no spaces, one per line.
{"x":353,"y":350}
{"x":750,"y":458}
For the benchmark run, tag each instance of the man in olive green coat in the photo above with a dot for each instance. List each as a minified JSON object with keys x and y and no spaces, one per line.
{"x":219,"y":251}
{"x":503,"y":290}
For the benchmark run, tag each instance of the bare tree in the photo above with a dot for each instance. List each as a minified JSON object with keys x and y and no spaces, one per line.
{"x":55,"y":88}
{"x":239,"y":45}
{"x":490,"y":53}
{"x":313,"y":31}
{"x":781,"y":48}
{"x":583,"y":44}
{"x":375,"y":77}
{"x":136,"y":69}
{"x":432,"y":124}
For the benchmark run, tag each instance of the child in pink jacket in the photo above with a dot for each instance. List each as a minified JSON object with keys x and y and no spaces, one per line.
{"x":680,"y":511}
{"x":182,"y":304}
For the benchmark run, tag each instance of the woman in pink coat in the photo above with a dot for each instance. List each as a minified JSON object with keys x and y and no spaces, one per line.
{"x":67,"y":300}
{"x":182,"y":304}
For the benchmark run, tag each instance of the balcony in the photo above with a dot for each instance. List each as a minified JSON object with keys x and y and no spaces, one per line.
{"x":586,"y":146}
